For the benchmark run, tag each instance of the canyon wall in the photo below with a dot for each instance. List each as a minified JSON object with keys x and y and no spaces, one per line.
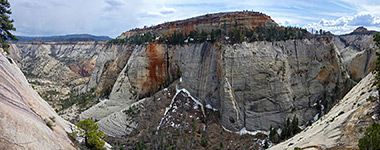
{"x":24,"y":115}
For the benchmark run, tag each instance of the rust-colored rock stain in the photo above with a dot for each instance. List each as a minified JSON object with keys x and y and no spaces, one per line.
{"x":157,"y":67}
{"x":323,"y":75}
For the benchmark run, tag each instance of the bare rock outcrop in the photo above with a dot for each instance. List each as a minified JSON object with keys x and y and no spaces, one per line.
{"x":342,"y":127}
{"x":56,"y":69}
{"x":255,"y":85}
{"x":24,"y":114}
{"x":358,"y":53}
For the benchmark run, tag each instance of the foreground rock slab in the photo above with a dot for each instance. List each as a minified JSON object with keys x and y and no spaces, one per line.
{"x":24,"y":114}
{"x":343,"y":126}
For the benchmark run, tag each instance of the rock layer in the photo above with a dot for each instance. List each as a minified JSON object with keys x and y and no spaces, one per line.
{"x":342,"y":127}
{"x":254,"y":85}
{"x":24,"y":114}
{"x":56,"y":69}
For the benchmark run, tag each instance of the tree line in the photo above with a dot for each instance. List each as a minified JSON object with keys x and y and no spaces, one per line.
{"x":234,"y":35}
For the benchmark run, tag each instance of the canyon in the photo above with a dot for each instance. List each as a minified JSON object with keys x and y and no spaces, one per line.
{"x":202,"y":90}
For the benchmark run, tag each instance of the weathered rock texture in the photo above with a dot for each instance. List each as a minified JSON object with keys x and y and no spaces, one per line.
{"x":56,"y":69}
{"x":23,"y":114}
{"x":358,"y":52}
{"x":255,"y":85}
{"x":342,"y":127}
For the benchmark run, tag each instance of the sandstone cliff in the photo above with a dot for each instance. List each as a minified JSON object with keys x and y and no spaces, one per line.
{"x":342,"y":127}
{"x":56,"y":69}
{"x":255,"y":85}
{"x":24,"y":114}
{"x":358,"y":52}
{"x":250,"y":85}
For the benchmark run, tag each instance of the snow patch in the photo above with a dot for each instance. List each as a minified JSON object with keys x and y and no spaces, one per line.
{"x":226,"y":129}
{"x":245,"y":131}
{"x":374,"y":117}
{"x":172,"y":102}
{"x":316,"y":117}
{"x":210,"y":107}
{"x":192,"y":98}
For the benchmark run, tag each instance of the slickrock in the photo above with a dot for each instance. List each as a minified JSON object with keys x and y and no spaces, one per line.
{"x":24,"y":114}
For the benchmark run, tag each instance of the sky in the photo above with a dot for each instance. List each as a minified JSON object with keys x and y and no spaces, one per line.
{"x":112,"y":17}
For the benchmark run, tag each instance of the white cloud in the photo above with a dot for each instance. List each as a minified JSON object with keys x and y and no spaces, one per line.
{"x":112,"y":17}
{"x":344,"y":25}
{"x":165,"y":10}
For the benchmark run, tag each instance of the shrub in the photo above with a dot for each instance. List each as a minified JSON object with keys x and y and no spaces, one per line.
{"x":204,"y":142}
{"x":49,"y":124}
{"x":371,"y":138}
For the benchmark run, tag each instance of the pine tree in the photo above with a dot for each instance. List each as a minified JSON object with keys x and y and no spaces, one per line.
{"x":6,"y":25}
{"x":93,"y":137}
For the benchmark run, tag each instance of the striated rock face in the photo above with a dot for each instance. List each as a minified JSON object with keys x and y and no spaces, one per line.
{"x":254,"y":85}
{"x":56,"y":69}
{"x":111,"y":60}
{"x":23,"y":114}
{"x":343,"y":126}
{"x":269,"y":82}
{"x":358,"y":52}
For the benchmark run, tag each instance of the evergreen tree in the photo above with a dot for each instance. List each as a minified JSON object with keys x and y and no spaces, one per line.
{"x":371,"y":139}
{"x":93,"y":137}
{"x":6,"y":25}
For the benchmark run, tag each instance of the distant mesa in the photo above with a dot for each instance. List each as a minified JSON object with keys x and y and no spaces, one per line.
{"x":362,"y":30}
{"x":69,"y":38}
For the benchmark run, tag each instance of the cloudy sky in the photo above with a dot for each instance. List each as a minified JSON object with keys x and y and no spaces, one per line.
{"x":112,"y":17}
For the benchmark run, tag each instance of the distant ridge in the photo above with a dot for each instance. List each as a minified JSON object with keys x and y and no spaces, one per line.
{"x":70,"y":37}
{"x":362,"y":30}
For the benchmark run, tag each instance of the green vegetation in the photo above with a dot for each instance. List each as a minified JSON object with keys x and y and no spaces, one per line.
{"x":50,"y":122}
{"x":273,"y":135}
{"x":376,"y":70}
{"x":140,"y":146}
{"x":235,"y":35}
{"x":297,"y":148}
{"x":290,"y":129}
{"x":371,"y":139}
{"x":204,"y":142}
{"x":132,"y":112}
{"x":221,"y":145}
{"x":93,"y":138}
{"x":80,"y":100}
{"x":6,"y":25}
{"x":266,"y":144}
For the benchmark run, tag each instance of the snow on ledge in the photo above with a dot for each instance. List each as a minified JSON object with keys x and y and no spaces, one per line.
{"x":171,"y":103}
{"x":245,"y":131}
